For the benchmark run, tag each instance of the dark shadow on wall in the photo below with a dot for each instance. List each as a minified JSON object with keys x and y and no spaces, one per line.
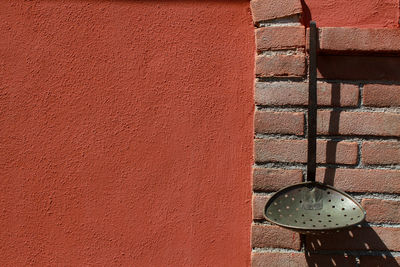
{"x":331,"y":146}
{"x":359,"y":67}
{"x":352,"y":65}
{"x":357,"y":246}
{"x":306,"y":15}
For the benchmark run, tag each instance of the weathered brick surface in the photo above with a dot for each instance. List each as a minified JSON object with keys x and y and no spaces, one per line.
{"x":266,"y":179}
{"x":279,"y":122}
{"x":380,"y":152}
{"x":279,"y":65}
{"x":361,"y":180}
{"x":364,"y":238}
{"x":276,"y":150}
{"x":278,"y":259}
{"x":272,"y":9}
{"x":274,"y":236}
{"x":379,"y":261}
{"x":322,"y":260}
{"x":285,"y":259}
{"x":358,"y":123}
{"x":359,"y":67}
{"x":344,"y":39}
{"x":347,"y":54}
{"x":379,"y":95}
{"x":259,"y":202}
{"x":382,"y":211}
{"x":280,"y":38}
{"x":296,"y":94}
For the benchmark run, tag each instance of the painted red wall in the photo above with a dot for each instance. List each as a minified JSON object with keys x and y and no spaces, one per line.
{"x":126,"y":132}
{"x":353,"y":13}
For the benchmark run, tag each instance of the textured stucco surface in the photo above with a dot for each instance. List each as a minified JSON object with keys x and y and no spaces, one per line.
{"x":355,"y":13}
{"x":126,"y":133}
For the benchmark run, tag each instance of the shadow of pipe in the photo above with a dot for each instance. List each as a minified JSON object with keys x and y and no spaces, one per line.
{"x":306,"y":15}
{"x":331,"y":147}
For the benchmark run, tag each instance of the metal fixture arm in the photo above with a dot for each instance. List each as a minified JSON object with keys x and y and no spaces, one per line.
{"x":312,"y":104}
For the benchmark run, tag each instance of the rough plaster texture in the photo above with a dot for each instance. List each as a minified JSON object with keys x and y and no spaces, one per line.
{"x":126,"y":133}
{"x":356,"y":13}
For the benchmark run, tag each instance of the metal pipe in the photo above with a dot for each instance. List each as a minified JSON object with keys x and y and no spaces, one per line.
{"x":312,"y":104}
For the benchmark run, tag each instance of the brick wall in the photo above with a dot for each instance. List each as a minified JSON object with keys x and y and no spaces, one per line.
{"x":358,"y":135}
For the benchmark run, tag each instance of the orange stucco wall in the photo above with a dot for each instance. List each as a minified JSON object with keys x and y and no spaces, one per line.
{"x":126,"y":133}
{"x":354,"y":13}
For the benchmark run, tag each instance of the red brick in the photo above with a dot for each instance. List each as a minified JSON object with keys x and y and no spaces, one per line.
{"x":358,"y":123}
{"x":357,"y":238}
{"x":278,"y":259}
{"x":322,"y":260}
{"x":272,"y":9}
{"x":279,"y":65}
{"x":265,"y":179}
{"x":296,"y":259}
{"x":259,"y":202}
{"x":275,"y":150}
{"x":361,"y":180}
{"x":280,"y":38}
{"x":378,"y":95}
{"x":379,"y":261}
{"x":359,"y":67}
{"x":359,"y":40}
{"x":380,"y":152}
{"x":274,"y":236}
{"x":296,"y":94}
{"x":382,"y":211}
{"x":279,"y":122}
